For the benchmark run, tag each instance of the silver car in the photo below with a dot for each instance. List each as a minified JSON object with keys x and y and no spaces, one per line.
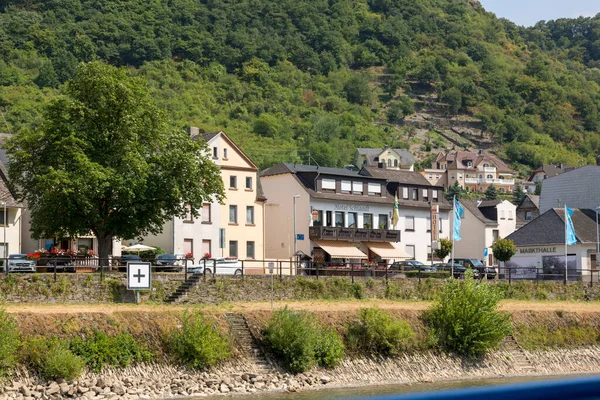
{"x":20,"y":263}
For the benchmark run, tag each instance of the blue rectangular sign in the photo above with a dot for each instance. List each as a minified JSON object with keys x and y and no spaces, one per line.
{"x":300,"y":236}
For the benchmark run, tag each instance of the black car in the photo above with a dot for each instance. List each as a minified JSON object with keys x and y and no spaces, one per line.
{"x":477,"y":265}
{"x":125,"y":258}
{"x":167,"y":262}
{"x":458,"y":270}
{"x":411,"y":265}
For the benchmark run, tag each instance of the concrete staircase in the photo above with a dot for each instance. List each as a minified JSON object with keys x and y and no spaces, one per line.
{"x":245,"y":341}
{"x":521,"y":362}
{"x":184,"y":288}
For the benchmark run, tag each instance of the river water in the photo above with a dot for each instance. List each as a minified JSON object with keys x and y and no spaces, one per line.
{"x":382,"y":390}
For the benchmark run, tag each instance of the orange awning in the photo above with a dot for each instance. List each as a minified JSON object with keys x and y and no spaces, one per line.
{"x":341,"y":249}
{"x":387,"y":250}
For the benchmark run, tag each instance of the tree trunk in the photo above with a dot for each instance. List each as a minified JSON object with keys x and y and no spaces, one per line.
{"x":104,"y":245}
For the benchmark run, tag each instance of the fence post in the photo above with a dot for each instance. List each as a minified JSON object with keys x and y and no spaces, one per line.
{"x":214,"y":270}
{"x":280,"y":271}
{"x":242,"y":269}
{"x":419,"y":274}
{"x":386,"y":272}
{"x":352,"y":271}
{"x":204,"y":271}
{"x":317,"y":270}
{"x":185,"y":270}
{"x":101,"y":269}
{"x":509,"y":276}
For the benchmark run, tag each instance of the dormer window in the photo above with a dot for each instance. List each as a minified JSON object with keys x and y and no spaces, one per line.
{"x":389,"y":162}
{"x":486,"y":165}
{"x":469,"y":163}
{"x":395,"y":163}
{"x":328,"y":185}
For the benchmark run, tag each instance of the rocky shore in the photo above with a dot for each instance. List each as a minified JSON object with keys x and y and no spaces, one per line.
{"x":164,"y":381}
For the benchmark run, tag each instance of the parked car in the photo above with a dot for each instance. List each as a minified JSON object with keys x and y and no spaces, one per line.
{"x":167,"y":262}
{"x":411,"y":265}
{"x":20,"y":263}
{"x":477,"y":265}
{"x":458,"y":270}
{"x":122,"y":261}
{"x":219,"y":266}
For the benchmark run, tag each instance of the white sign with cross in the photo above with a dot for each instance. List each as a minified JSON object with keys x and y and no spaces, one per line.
{"x":139,"y":276}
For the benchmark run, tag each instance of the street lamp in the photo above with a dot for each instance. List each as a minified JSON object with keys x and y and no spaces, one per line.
{"x":597,"y":241}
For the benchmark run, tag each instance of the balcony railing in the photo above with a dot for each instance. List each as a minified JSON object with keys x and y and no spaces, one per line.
{"x":353,"y":234}
{"x":483,"y":181}
{"x":489,"y":169}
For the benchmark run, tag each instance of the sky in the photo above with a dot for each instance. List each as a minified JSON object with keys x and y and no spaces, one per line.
{"x":528,"y":12}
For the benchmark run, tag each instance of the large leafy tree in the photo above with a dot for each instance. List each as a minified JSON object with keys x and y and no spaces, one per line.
{"x":106,"y":160}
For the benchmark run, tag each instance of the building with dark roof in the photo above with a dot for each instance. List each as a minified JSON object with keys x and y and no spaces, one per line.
{"x":541,"y":247}
{"x":545,"y":172}
{"x":577,"y":188}
{"x":482,"y":224}
{"x":472,"y":171}
{"x":397,"y":159}
{"x":528,"y":209}
{"x":353,"y":208}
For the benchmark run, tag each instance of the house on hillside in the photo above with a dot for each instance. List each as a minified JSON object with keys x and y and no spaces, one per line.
{"x":11,"y":212}
{"x":472,"y":171}
{"x":545,"y":172}
{"x":577,"y":188}
{"x":482,"y":224}
{"x":397,"y":159}
{"x":232,"y":229}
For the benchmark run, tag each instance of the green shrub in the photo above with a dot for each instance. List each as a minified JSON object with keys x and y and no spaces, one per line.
{"x":438,"y":274}
{"x":9,"y":341}
{"x":100,"y":349}
{"x":198,"y":344}
{"x":359,"y":290}
{"x":52,"y":358}
{"x":300,"y":342}
{"x":377,"y":332}
{"x":465,"y":318}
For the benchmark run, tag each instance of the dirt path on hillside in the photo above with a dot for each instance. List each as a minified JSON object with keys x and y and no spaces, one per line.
{"x":508,"y":305}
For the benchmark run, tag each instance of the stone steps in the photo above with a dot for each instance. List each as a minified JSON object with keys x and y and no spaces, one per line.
{"x":517,"y":355}
{"x":242,"y":336}
{"x":184,"y":288}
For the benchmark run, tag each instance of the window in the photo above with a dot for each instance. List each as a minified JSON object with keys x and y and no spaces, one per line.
{"x":460,"y":176}
{"x":206,"y":213}
{"x":188,"y":246}
{"x":357,"y":187}
{"x":495,"y":234}
{"x":437,"y":177}
{"x":328,"y":184}
{"x":368,"y":221}
{"x":410,"y":250}
{"x":206,"y":247}
{"x":250,"y":250}
{"x":233,"y":215}
{"x":440,"y":223}
{"x":374,"y":188}
{"x":434,"y":194}
{"x":415,"y":195}
{"x":248,"y":183}
{"x":425,"y":194}
{"x":328,"y":218}
{"x":428,"y":252}
{"x":486,"y":165}
{"x":409,"y":224}
{"x":346,"y":186}
{"x":452,"y":176}
{"x":84,"y":244}
{"x":527,"y":215}
{"x":510,"y":214}
{"x":383,"y":221}
{"x":188,"y":214}
{"x":502,"y":214}
{"x":383,"y":161}
{"x":469,"y":163}
{"x":233,"y":182}
{"x":489,"y":176}
{"x":405,"y":193}
{"x":339,"y":219}
{"x":250,"y":215}
{"x":352,"y":220}
{"x":233,"y":248}
{"x":428,"y":224}
{"x":319,"y":220}
{"x":480,"y":176}
{"x":215,"y":153}
{"x":225,"y":154}
{"x":430,"y":176}
{"x":389,"y":163}
{"x":395,"y":163}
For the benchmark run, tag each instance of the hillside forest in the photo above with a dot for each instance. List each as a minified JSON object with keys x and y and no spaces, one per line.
{"x":311,"y":80}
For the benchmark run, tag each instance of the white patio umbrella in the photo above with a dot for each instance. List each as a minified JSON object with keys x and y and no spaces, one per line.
{"x":138,"y":247}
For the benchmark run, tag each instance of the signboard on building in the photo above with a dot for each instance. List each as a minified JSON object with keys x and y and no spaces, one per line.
{"x":221,"y":238}
{"x":435,"y":230}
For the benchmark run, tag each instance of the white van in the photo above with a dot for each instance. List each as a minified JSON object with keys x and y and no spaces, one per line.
{"x":218,"y":266}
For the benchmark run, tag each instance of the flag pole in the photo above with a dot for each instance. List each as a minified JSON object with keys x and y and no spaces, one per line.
{"x":453,"y":218}
{"x":566,"y":231}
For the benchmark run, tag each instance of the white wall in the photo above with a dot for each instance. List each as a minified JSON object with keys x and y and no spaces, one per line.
{"x":420,"y":237}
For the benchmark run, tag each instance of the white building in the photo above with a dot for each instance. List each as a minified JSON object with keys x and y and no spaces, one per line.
{"x":541,"y":247}
{"x":484,"y":222}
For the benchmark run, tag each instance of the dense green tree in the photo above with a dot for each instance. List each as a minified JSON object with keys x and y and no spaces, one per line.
{"x":538,"y":188}
{"x":445,"y":248}
{"x":491,"y":193}
{"x":454,"y":191}
{"x":105,"y":160}
{"x":357,"y":89}
{"x":504,"y":249}
{"x":518,"y":194}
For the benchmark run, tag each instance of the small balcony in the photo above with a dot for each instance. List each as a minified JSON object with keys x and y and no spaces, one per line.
{"x":353,"y":234}
{"x":491,"y":170}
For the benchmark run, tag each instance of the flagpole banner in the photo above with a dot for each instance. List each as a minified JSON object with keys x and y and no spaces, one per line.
{"x":396,"y":215}
{"x":458,"y":214}
{"x":570,"y":238}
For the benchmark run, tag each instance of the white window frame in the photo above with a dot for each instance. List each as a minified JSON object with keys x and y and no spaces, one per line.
{"x":405,"y":193}
{"x":328,"y":184}
{"x":346,"y":186}
{"x":409,"y":223}
{"x":374,"y":188}
{"x":357,"y":187}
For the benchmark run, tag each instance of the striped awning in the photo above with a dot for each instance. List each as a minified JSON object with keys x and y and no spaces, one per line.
{"x":341,"y":249}
{"x":387,"y":250}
